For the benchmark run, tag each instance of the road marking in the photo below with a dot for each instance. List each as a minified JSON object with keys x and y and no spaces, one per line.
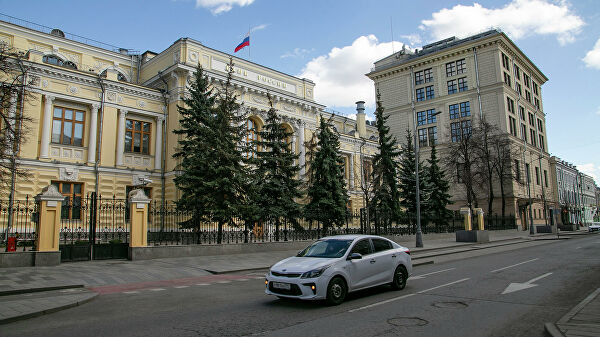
{"x":157,"y":289}
{"x":443,"y":285}
{"x":382,"y":302}
{"x":202,"y":284}
{"x":418,"y":277}
{"x":521,"y":286}
{"x":223,"y":282}
{"x":404,"y":296}
{"x":514,"y":265}
{"x":131,"y":292}
{"x":242,"y":279}
{"x":181,"y":287}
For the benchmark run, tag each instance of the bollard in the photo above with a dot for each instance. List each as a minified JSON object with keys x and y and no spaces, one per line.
{"x":466,"y":212}
{"x":479,"y":213}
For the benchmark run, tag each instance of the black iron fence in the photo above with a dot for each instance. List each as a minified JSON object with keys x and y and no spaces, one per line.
{"x":19,"y":221}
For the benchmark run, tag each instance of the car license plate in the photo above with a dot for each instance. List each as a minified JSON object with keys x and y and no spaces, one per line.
{"x":279,"y":285}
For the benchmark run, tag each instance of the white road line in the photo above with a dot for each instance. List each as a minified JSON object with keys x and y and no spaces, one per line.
{"x":443,"y":285}
{"x":181,"y":287}
{"x":223,"y":282}
{"x":405,"y":296}
{"x":514,"y":265}
{"x":242,"y":279}
{"x":202,"y":284}
{"x":417,"y":277}
{"x":157,"y":289}
{"x":131,"y":292}
{"x":382,"y":302}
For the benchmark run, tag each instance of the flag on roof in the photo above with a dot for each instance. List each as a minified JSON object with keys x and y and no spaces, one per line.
{"x":245,"y":42}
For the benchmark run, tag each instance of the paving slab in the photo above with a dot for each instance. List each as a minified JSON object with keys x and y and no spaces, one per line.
{"x":582,"y":320}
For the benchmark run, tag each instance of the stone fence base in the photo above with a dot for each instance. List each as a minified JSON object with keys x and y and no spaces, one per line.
{"x":29,"y":259}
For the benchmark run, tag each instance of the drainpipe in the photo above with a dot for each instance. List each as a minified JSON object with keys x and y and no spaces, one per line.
{"x":477,"y":79}
{"x":99,"y":142}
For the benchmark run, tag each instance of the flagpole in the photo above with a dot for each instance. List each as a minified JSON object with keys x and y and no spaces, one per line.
{"x":248,"y":42}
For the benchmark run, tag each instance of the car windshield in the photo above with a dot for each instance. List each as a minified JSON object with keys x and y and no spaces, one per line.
{"x":326,"y":248}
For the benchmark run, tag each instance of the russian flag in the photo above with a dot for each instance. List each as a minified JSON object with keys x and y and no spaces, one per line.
{"x":245,"y":42}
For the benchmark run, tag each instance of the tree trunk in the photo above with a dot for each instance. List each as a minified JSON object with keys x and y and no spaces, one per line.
{"x":220,"y":232}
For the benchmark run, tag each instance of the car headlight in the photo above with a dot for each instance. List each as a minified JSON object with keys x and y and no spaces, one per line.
{"x":314,"y":273}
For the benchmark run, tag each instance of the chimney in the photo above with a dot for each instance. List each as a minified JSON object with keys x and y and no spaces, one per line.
{"x":360,"y":119}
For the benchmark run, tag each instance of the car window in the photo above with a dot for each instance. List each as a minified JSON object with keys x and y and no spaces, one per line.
{"x":326,"y":249}
{"x":381,"y":245}
{"x":363,"y":247}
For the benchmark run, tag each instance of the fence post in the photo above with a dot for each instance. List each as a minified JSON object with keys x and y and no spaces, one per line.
{"x":48,"y":226}
{"x":138,"y":205}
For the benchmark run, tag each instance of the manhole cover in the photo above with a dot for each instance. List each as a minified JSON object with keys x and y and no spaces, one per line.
{"x":407,"y":321}
{"x":450,"y":305}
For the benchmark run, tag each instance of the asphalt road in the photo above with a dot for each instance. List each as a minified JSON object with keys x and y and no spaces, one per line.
{"x":505,"y":291}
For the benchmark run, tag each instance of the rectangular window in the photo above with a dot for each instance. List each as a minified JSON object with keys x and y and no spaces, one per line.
{"x":71,"y":206}
{"x":453,"y":111}
{"x":422,"y":137}
{"x":67,"y":126}
{"x":533,"y":137}
{"x":137,"y":136}
{"x":466,"y":128}
{"x":531,"y":119}
{"x":429,"y":92}
{"x":537,"y":103}
{"x":518,"y":89}
{"x":517,"y":73}
{"x":461,"y":66}
{"x":545,"y":178}
{"x":450,"y":69}
{"x":428,"y":74}
{"x":507,"y":79}
{"x":524,"y":132}
{"x":462,"y":84}
{"x":420,"y":93}
{"x":540,"y":125}
{"x":432,"y":135}
{"x":431,"y":116}
{"x":517,"y":171}
{"x":367,"y":170}
{"x":465,"y":109}
{"x":526,"y":80}
{"x":535,"y":88}
{"x":527,"y":96}
{"x":512,"y":126}
{"x":452,"y":87}
{"x":537,"y":175}
{"x":542,"y":146}
{"x":505,"y":61}
{"x":421,"y":117}
{"x":455,"y":131}
{"x":419,"y":77}
{"x":527,"y":172}
{"x":510,"y":104}
{"x":522,"y":113}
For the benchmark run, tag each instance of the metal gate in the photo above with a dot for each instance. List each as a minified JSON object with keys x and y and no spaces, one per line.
{"x":94,"y":228}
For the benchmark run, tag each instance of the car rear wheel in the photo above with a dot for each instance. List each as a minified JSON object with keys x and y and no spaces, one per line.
{"x":336,"y":291}
{"x":400,"y":277}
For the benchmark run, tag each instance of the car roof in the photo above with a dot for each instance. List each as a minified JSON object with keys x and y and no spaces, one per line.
{"x":351,"y":237}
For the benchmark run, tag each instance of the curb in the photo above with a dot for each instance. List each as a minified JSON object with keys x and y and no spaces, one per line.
{"x":553,"y":330}
{"x":37,"y":290}
{"x":48,"y":311}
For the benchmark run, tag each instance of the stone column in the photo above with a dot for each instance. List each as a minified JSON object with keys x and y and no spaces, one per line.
{"x":302,"y":157}
{"x":158,"y":143}
{"x":138,"y":205}
{"x":46,"y":126}
{"x":48,"y":225}
{"x":92,"y":134}
{"x":351,"y":163}
{"x":121,"y":137}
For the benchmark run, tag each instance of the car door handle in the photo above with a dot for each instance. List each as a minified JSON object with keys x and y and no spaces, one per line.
{"x":372,"y":261}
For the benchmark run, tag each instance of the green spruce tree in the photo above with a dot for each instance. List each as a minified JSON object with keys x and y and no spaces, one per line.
{"x":214,"y":179}
{"x":386,"y":199}
{"x":327,"y":190}
{"x":276,"y":184}
{"x":407,"y":181}
{"x":439,"y":197}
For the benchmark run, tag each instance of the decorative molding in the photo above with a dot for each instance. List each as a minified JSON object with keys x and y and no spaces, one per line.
{"x":68,"y":173}
{"x":141,"y":104}
{"x":288,"y":108}
{"x":260,"y":100}
{"x":193,"y":55}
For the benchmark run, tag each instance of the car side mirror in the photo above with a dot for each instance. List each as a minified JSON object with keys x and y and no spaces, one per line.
{"x":355,"y":256}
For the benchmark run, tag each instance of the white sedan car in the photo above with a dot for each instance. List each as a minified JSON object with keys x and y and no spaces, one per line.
{"x":333,"y":266}
{"x":595,"y":226}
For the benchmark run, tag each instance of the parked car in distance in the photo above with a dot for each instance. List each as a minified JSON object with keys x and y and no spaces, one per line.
{"x":594,"y":226}
{"x":333,"y":266}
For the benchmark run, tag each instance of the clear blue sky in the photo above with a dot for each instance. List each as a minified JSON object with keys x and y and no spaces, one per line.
{"x":335,"y":42}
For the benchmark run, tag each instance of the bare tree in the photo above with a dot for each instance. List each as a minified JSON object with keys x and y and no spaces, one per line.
{"x":461,"y":158}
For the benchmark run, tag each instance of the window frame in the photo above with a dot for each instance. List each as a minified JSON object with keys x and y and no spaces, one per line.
{"x":68,"y":204}
{"x":462,"y":86}
{"x":142,"y":134}
{"x":73,"y":122}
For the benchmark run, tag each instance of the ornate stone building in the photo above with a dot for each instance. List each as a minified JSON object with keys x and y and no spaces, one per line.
{"x":102,"y":117}
{"x":448,"y":86}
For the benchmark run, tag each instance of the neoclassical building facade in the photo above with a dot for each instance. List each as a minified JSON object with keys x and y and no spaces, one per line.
{"x":101,"y":118}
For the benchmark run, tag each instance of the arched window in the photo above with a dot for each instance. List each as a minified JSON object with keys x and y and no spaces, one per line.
{"x":57,"y":61}
{"x":251,"y":137}
{"x":120,"y":76}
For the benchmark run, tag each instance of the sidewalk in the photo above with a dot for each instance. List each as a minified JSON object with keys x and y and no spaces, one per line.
{"x":582,"y":320}
{"x":29,"y":291}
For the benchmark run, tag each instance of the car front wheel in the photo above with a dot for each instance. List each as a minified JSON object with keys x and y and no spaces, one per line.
{"x":336,"y":291}
{"x":400,"y":276}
